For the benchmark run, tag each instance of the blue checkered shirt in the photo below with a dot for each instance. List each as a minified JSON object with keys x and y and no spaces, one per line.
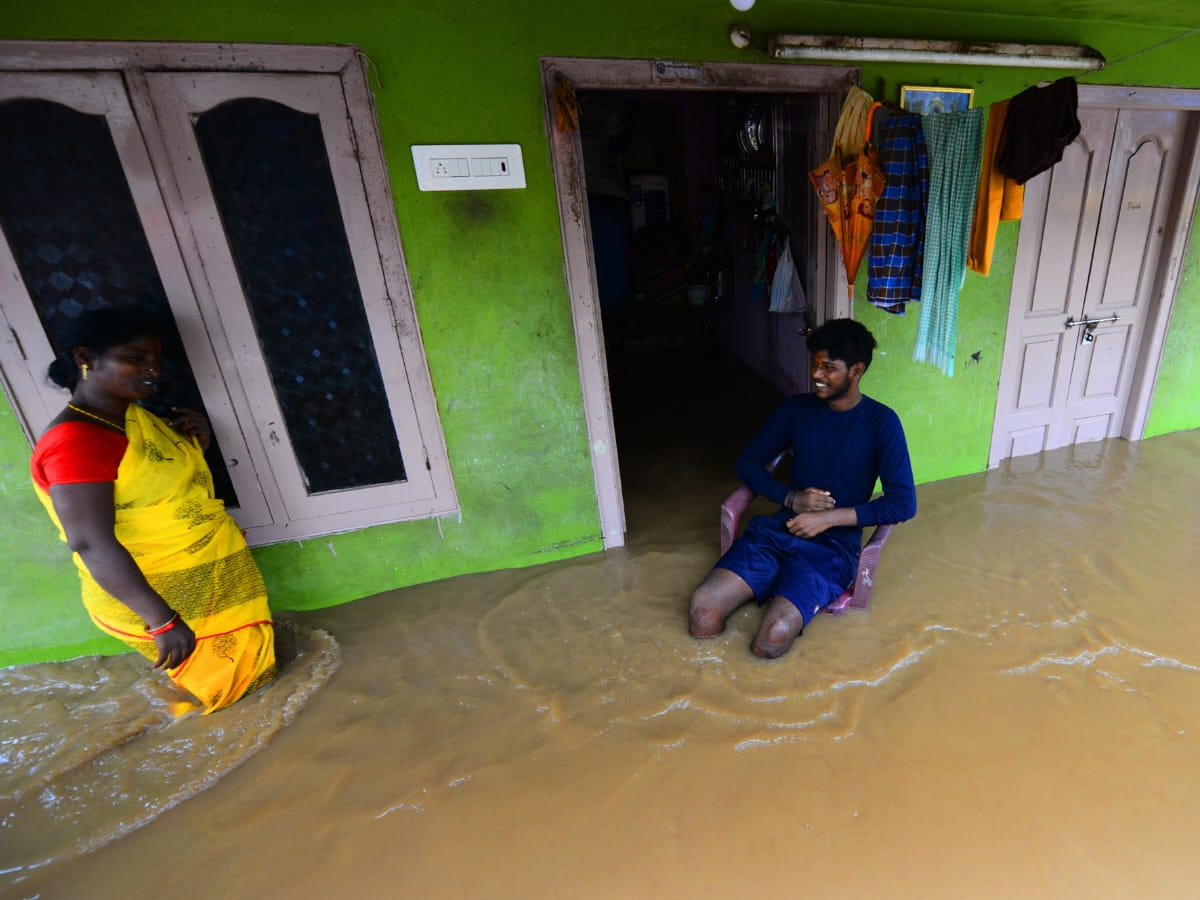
{"x":898,"y":237}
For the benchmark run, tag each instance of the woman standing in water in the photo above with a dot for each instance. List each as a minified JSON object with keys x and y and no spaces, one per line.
{"x":163,"y":566}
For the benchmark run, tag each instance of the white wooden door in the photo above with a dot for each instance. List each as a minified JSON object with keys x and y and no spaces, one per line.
{"x":179,"y":100}
{"x":103,"y":95}
{"x":1090,"y":251}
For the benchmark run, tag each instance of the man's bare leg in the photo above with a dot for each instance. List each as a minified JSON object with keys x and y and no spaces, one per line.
{"x":719,"y":594}
{"x":781,"y":625}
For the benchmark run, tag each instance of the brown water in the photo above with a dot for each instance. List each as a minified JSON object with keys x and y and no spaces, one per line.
{"x":97,"y":747}
{"x":1017,"y":715}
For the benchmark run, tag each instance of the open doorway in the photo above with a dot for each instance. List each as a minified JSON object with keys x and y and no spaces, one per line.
{"x":677,"y":195}
{"x":689,"y":221}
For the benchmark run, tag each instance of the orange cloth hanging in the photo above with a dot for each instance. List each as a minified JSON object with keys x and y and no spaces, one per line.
{"x":848,"y":186}
{"x":999,"y":197}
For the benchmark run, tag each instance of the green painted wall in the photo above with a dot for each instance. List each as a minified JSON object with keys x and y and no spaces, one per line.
{"x":487,"y":268}
{"x":1176,"y":398}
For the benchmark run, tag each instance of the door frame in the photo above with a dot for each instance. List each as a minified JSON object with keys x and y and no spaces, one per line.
{"x":1178,"y":224}
{"x":829,"y":83}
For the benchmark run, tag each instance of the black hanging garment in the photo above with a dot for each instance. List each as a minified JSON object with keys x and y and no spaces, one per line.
{"x":1041,"y":122}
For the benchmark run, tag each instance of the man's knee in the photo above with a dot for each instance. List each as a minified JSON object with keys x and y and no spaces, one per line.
{"x":782,"y":624}
{"x":718,"y":595}
{"x":782,"y":629}
{"x":705,"y":617}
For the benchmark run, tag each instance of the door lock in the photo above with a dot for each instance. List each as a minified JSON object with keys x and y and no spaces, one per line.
{"x":1089,"y":325}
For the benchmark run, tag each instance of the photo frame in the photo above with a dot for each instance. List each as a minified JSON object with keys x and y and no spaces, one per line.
{"x":927,"y":101}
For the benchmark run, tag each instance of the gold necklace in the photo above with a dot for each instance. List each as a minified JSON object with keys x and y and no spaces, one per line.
{"x":100,"y":419}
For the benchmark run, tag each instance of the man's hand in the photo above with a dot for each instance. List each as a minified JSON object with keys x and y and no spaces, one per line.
{"x":809,"y":524}
{"x":810,"y":500}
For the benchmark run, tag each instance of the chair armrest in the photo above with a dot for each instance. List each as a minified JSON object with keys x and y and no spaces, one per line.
{"x":858,"y":594}
{"x":879,"y":536}
{"x":731,"y":512}
{"x":868,"y":561}
{"x":735,"y":504}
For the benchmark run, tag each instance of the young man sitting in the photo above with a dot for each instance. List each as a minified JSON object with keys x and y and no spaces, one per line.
{"x":801,"y":559}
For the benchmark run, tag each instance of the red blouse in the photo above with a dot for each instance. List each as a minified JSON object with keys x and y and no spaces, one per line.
{"x":77,"y":452}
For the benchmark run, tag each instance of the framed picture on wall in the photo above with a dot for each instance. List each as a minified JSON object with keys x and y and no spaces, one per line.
{"x":927,"y":101}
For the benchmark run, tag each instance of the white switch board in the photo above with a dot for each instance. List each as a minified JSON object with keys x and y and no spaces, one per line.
{"x":468,"y":167}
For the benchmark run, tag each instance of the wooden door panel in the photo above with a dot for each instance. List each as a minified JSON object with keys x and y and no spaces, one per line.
{"x":1133,"y":233}
{"x":1039,"y":362}
{"x":1029,"y":419}
{"x":1091,"y":428}
{"x":1141,"y":174}
{"x":1065,"y":231}
{"x":1104,"y":365}
{"x":1026,"y":441}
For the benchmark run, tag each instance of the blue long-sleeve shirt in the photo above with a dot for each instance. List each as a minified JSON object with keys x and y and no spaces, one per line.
{"x":840,"y":452}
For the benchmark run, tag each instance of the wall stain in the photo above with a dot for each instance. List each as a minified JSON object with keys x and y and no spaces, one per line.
{"x":586,"y":539}
{"x":473,"y":208}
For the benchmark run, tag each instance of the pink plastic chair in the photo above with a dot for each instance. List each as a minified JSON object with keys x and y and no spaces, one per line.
{"x":858,"y":593}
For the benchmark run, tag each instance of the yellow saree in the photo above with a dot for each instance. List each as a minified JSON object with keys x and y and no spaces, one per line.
{"x":193,"y":554}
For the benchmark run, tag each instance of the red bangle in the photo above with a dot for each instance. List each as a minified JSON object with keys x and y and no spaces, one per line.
{"x":163,"y":629}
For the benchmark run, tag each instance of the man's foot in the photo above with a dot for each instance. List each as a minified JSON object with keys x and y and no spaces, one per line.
{"x":782,"y":623}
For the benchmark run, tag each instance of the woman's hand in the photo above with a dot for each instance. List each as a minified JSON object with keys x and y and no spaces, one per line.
{"x":191,"y":424}
{"x":174,"y":645}
{"x":810,"y":500}
{"x":86,"y":513}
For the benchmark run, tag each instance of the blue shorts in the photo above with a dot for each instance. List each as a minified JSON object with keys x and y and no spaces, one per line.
{"x":776,"y":563}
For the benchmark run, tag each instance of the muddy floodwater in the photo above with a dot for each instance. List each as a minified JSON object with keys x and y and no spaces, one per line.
{"x":1016,"y":716}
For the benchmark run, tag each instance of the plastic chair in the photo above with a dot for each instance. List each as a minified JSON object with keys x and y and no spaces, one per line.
{"x":858,"y":593}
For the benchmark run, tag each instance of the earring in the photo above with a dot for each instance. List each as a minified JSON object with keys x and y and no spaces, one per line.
{"x":83,"y":367}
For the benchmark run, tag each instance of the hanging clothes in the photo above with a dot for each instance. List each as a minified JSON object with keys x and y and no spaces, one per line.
{"x":1040,"y":123}
{"x":898,"y":239}
{"x":955,"y":144}
{"x":1000,"y":198}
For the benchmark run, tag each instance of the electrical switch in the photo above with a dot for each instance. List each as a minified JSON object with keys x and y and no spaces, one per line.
{"x":468,"y":167}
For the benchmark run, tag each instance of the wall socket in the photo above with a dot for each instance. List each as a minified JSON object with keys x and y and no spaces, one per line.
{"x":468,"y":167}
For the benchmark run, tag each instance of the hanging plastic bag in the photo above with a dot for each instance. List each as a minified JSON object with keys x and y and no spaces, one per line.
{"x":787,"y":293}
